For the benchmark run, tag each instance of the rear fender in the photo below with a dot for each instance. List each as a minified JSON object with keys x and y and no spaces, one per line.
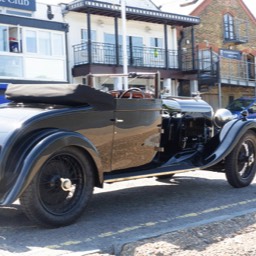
{"x":229,"y":137}
{"x":34,"y":160}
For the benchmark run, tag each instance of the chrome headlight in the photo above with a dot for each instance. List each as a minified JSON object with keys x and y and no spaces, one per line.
{"x":222,"y":116}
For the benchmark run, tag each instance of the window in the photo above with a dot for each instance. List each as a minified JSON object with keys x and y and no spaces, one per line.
{"x":3,"y":39}
{"x":31,"y":41}
{"x":42,"y":69}
{"x":84,"y":36}
{"x":44,"y":43}
{"x":44,"y":51}
{"x":156,"y":42}
{"x":229,"y":33}
{"x":57,"y":45}
{"x":10,"y":38}
{"x":11,"y":66}
{"x":208,"y":60}
{"x":110,"y":48}
{"x":157,"y":51}
{"x":135,"y":50}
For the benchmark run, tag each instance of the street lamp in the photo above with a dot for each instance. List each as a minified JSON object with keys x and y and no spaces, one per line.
{"x":188,"y":3}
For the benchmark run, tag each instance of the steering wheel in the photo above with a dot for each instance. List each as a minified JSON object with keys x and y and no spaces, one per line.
{"x":131,"y":90}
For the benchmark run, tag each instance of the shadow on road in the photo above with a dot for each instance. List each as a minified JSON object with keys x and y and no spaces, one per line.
{"x":128,"y":211}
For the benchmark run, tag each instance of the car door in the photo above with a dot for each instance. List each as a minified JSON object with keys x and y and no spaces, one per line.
{"x":137,"y":126}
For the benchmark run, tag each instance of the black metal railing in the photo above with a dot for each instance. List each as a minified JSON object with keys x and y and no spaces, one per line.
{"x":209,"y":66}
{"x":237,"y":70}
{"x":109,"y":54}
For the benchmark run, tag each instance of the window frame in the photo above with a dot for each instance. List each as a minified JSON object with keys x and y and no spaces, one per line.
{"x":229,"y":27}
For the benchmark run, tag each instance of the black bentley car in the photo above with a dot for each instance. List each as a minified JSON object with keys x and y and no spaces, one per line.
{"x":56,"y":144}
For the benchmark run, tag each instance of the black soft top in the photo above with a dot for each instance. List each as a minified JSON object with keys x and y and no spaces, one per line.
{"x":60,"y":94}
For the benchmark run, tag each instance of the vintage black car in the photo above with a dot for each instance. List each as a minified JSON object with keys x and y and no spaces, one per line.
{"x":56,"y":144}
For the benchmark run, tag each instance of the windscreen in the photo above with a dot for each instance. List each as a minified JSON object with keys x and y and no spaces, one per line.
{"x":239,"y":104}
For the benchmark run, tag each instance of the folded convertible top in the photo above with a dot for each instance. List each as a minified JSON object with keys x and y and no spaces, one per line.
{"x":59,"y":94}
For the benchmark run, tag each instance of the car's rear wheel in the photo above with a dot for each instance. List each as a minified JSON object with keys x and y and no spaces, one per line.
{"x":240,"y":163}
{"x":61,"y":189}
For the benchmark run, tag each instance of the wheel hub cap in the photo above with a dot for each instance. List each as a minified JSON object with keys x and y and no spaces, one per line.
{"x":250,"y":160}
{"x":66,"y":184}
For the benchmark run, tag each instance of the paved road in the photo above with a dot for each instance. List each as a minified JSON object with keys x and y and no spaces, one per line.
{"x":127,"y":211}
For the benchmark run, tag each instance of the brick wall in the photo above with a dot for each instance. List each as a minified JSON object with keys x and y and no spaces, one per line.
{"x":209,"y":34}
{"x":210,"y":31}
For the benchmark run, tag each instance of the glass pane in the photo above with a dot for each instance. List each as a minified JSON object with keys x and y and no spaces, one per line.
{"x":156,"y":42}
{"x":228,"y":26}
{"x":137,"y":41}
{"x":44,"y":42}
{"x":93,"y":35}
{"x":84,"y":35}
{"x":31,"y":41}
{"x":109,"y":38}
{"x":109,"y":49}
{"x":41,"y":69}
{"x":3,"y":39}
{"x":11,"y":66}
{"x":57,"y":45}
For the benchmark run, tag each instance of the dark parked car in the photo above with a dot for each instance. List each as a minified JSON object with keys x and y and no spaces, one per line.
{"x":57,"y":145}
{"x":241,"y":104}
{"x":2,"y":93}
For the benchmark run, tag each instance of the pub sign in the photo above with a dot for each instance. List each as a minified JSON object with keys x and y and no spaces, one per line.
{"x":29,"y":5}
{"x":231,"y":54}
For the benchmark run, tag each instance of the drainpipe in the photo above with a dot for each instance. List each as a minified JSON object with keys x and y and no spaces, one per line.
{"x":67,"y":52}
{"x":219,"y":85}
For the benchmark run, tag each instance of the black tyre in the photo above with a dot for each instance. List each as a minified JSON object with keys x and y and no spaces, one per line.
{"x":240,"y":163}
{"x":61,"y":189}
{"x":165,"y":177}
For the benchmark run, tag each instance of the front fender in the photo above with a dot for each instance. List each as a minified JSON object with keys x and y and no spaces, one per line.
{"x":229,"y":137}
{"x":36,"y":157}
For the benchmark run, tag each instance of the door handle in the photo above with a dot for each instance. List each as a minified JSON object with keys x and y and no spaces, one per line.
{"x":116,"y":120}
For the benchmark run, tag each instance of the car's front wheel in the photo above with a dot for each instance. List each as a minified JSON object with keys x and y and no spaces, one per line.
{"x":241,"y":162}
{"x":61,"y":189}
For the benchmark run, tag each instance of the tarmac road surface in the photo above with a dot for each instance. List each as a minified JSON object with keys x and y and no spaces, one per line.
{"x":128,"y":211}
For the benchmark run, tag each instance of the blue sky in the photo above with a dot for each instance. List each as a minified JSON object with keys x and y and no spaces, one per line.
{"x":168,"y":5}
{"x":173,"y":5}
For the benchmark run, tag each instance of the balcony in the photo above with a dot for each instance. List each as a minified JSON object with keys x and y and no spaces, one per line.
{"x":236,"y":32}
{"x":213,"y":68}
{"x":109,"y":54}
{"x":237,"y":72}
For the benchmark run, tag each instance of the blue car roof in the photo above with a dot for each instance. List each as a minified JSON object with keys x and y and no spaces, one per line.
{"x":3,"y":86}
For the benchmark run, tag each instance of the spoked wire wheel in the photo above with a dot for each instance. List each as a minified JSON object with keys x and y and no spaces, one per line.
{"x":60,"y":191}
{"x":240,"y":163}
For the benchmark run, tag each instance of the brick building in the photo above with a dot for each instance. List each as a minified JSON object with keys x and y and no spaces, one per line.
{"x":226,"y":43}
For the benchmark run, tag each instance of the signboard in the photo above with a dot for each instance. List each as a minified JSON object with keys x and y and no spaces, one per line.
{"x":231,"y":54}
{"x":29,"y":5}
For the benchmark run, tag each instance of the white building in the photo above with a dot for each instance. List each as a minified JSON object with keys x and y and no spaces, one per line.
{"x":153,"y":42}
{"x":32,"y":43}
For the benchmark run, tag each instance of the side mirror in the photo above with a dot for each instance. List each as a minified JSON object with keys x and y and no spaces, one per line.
{"x":250,"y":110}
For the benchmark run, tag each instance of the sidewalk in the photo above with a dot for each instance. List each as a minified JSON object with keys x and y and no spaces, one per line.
{"x":224,"y":238}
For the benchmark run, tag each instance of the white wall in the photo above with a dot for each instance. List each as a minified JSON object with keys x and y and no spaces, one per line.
{"x":41,"y":12}
{"x":102,"y":24}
